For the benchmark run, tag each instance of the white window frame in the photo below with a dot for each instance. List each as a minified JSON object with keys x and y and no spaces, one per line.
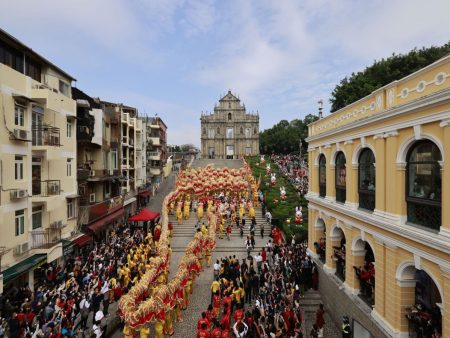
{"x":19,"y":116}
{"x":64,"y":88}
{"x":114,"y":159}
{"x":69,"y":167}
{"x":211,"y":132}
{"x":20,"y":222}
{"x":69,"y":129}
{"x":19,"y":167}
{"x":71,"y":209}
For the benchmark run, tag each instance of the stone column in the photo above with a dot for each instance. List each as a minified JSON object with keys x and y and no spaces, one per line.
{"x":313,"y":175}
{"x":445,"y":305}
{"x":330,"y":264}
{"x":393,"y":303}
{"x":380,"y":176}
{"x":393,"y":199}
{"x":330,"y":175}
{"x":380,"y":277}
{"x":311,"y":233}
{"x":352,"y":176}
{"x":445,"y":185}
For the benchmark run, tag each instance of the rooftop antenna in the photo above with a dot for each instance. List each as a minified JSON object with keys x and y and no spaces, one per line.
{"x":320,"y":102}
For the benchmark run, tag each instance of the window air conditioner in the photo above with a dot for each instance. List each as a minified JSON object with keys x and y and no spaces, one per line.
{"x":111,"y":171}
{"x":21,"y":134}
{"x":19,"y":193}
{"x":91,"y":198}
{"x":92,"y":173}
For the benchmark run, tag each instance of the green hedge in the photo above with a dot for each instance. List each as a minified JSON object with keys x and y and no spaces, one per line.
{"x":283,"y":209}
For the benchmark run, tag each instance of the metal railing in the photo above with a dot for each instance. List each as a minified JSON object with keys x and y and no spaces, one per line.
{"x":45,"y":238}
{"x":46,"y":188}
{"x":46,"y":136}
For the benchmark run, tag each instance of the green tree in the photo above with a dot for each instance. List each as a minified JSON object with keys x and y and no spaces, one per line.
{"x":284,"y":137}
{"x":382,"y":72}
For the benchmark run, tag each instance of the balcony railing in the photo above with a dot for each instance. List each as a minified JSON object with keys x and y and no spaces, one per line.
{"x":46,"y":188}
{"x":45,"y":238}
{"x":46,"y":136}
{"x":91,"y":213}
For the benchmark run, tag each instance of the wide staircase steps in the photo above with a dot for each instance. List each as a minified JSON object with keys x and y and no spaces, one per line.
{"x":236,"y":242}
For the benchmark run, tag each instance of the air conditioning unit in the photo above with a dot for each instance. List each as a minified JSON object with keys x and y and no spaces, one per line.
{"x":20,"y":249}
{"x":92,"y":173}
{"x":59,"y":224}
{"x":20,"y":134}
{"x":91,"y":198}
{"x":19,"y":193}
{"x":53,"y":189}
{"x":123,"y":190}
{"x":111,"y":171}
{"x":107,"y":196}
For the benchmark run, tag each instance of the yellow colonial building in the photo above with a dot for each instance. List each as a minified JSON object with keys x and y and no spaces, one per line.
{"x":38,"y":161}
{"x":379,"y":206}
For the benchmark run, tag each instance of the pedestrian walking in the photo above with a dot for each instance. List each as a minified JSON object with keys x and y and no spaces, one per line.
{"x":320,"y":321}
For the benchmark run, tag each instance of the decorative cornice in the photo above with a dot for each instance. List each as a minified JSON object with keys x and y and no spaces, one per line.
{"x":406,"y":283}
{"x":348,"y":142}
{"x":393,"y":133}
{"x":444,"y":123}
{"x":379,"y":136}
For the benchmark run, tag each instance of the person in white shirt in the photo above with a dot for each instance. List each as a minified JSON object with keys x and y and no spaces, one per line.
{"x":216,"y":267}
{"x":258,"y":260}
{"x":240,"y":329}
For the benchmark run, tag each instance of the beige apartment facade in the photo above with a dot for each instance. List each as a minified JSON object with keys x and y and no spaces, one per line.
{"x":38,"y":198}
{"x":229,"y":132}
{"x":378,"y":206}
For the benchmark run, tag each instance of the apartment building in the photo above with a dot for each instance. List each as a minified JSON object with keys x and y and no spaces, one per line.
{"x":156,"y":149}
{"x":38,"y":197}
{"x":98,"y":173}
{"x":378,"y":206}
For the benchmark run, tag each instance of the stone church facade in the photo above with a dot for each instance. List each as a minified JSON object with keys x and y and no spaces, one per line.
{"x":230,"y":132}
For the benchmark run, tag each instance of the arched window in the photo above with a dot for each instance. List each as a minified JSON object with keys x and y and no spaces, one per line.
{"x":423,"y":185}
{"x":204,"y":131}
{"x":241,"y":130}
{"x":255,"y":131}
{"x":218,"y":131}
{"x":366,"y":185}
{"x":341,"y":177}
{"x":229,"y":116}
{"x":322,"y":176}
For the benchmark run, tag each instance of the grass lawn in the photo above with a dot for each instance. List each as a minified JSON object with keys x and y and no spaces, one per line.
{"x":281,"y":210}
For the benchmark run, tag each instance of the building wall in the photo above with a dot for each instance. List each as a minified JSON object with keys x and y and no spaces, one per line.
{"x":229,"y":114}
{"x":388,"y":122}
{"x":58,"y":109}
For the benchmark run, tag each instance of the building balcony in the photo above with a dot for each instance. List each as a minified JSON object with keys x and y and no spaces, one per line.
{"x":91,"y":213}
{"x":46,"y":188}
{"x":125,"y":118}
{"x":45,"y":238}
{"x":97,"y":174}
{"x":154,"y":141}
{"x":45,"y":137}
{"x":154,"y":155}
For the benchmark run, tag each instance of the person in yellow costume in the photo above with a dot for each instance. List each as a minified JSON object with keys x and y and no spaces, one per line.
{"x":179,"y":213}
{"x":221,"y":228}
{"x":251,"y":210}
{"x":200,"y":211}
{"x":144,"y":332}
{"x":177,"y":312}
{"x":159,"y":328}
{"x":208,"y":257}
{"x":241,"y":210}
{"x":171,"y":208}
{"x":186,"y":208}
{"x":187,"y":294}
{"x":210,"y":203}
{"x":128,"y":332}
{"x":168,"y":328}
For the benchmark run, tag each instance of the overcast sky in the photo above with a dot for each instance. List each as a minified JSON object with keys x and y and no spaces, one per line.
{"x":175,"y":58}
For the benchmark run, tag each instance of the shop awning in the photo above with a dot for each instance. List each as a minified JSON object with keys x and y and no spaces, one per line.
{"x":144,"y":193}
{"x":129,"y":201}
{"x":67,"y":247}
{"x":82,"y":240}
{"x":23,"y":266}
{"x":144,"y":215}
{"x":103,"y":223}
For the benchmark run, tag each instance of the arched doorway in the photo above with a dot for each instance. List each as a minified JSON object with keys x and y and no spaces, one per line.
{"x":339,"y":252}
{"x":423,"y":309}
{"x":365,"y":271}
{"x":321,"y":240}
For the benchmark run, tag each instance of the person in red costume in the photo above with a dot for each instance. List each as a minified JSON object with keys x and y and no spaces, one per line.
{"x":202,"y":320}
{"x":203,"y":332}
{"x":216,"y":332}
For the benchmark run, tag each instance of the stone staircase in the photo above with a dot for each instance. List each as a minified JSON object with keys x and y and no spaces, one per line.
{"x":309,"y":305}
{"x":236,"y":242}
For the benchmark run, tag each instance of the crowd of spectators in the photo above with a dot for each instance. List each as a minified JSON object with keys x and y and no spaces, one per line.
{"x":261,"y":295}
{"x":69,"y":297}
{"x":295,"y":169}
